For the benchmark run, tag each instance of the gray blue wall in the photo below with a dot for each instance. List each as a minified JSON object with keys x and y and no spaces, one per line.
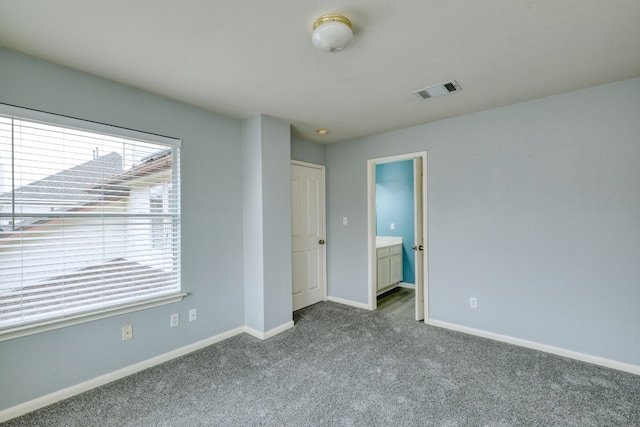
{"x":276,"y":218}
{"x":533,"y":208}
{"x":395,"y":205}
{"x":306,"y":151}
{"x":211,"y":232}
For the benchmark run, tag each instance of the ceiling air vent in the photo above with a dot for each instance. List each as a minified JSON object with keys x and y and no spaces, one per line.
{"x":438,"y":90}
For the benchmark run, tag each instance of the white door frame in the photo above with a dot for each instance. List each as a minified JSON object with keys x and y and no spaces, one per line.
{"x":323,"y":219}
{"x":371,"y":215}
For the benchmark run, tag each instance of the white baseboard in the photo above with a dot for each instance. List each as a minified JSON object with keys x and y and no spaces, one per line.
{"x":349,"y":302}
{"x":272,"y":332}
{"x":406,"y":285}
{"x":608,"y":363}
{"x":68,"y":392}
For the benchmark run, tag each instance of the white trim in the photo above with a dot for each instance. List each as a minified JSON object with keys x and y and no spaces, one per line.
{"x":22,"y":331}
{"x":607,"y":363}
{"x":307,"y":164}
{"x":406,"y":285}
{"x":425,"y":237}
{"x":270,"y":333}
{"x":372,"y":270}
{"x":349,"y":302}
{"x":68,"y":392}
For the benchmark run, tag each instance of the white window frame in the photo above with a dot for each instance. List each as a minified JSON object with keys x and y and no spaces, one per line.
{"x":65,"y":121}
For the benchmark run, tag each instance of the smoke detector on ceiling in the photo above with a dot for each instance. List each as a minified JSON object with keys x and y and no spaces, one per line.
{"x":438,"y":90}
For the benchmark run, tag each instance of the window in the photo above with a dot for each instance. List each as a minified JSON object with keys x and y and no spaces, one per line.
{"x":89,"y":219}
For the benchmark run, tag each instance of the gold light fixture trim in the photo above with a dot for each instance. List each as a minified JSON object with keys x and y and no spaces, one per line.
{"x":332,"y":17}
{"x":322,"y":132}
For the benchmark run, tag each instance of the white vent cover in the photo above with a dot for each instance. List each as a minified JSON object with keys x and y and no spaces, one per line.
{"x":438,"y":90}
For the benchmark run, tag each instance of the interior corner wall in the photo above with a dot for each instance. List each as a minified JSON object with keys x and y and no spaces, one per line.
{"x":266,"y":145}
{"x":533,"y":209}
{"x":212,"y":253}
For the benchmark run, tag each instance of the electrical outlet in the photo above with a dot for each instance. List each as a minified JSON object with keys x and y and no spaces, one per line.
{"x":393,"y":226}
{"x":127,"y":332}
{"x":193,"y":314}
{"x":175,"y":320}
{"x":473,"y":302}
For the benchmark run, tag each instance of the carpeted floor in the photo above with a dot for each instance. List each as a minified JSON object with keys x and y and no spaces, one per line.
{"x":342,"y":366}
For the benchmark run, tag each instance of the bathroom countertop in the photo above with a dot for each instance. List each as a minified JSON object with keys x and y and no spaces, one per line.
{"x":385,"y":241}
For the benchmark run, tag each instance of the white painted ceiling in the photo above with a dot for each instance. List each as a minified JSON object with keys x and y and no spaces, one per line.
{"x":243,"y":57}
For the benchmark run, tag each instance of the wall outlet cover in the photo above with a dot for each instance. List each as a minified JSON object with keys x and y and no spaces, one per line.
{"x":175,"y":320}
{"x":127,"y":332}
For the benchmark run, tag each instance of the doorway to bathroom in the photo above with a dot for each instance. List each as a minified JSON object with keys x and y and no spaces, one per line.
{"x":397,"y":230}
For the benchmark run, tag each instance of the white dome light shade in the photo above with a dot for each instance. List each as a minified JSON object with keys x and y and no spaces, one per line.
{"x":332,"y":33}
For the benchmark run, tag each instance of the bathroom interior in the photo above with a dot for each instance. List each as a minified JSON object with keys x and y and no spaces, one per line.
{"x":395,"y":224}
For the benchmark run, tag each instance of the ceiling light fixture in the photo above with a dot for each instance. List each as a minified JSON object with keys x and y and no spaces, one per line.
{"x":332,"y":33}
{"x":322,"y":132}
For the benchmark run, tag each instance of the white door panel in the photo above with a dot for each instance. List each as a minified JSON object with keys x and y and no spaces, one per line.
{"x":307,"y":233}
{"x":418,"y":202}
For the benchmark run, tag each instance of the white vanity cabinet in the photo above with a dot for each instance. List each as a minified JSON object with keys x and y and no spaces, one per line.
{"x":389,"y":262}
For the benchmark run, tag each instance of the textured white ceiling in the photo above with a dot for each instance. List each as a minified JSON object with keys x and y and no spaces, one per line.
{"x":242,"y":57}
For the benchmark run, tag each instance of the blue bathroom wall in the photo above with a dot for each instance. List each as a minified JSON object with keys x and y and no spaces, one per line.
{"x":394,"y":205}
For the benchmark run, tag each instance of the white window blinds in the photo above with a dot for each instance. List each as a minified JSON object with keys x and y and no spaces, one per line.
{"x":89,"y":218}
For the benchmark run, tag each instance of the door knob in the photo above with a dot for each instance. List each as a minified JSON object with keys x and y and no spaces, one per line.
{"x":418,"y":248}
{"x":321,"y":242}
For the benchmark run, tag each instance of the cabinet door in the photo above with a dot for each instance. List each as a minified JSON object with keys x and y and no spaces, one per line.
{"x":383,"y":273}
{"x":396,"y":269}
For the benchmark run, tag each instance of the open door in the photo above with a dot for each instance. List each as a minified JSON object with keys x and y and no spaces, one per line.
{"x":418,"y":238}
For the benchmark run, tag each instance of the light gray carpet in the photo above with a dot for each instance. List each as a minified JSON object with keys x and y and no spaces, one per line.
{"x":342,"y":366}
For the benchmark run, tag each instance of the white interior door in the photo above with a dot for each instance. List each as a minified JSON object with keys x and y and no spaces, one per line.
{"x":307,"y":234}
{"x":418,"y":235}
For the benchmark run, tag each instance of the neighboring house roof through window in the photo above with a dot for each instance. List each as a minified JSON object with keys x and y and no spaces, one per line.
{"x":84,"y":185}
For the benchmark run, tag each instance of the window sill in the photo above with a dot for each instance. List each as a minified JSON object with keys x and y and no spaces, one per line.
{"x":22,"y":331}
